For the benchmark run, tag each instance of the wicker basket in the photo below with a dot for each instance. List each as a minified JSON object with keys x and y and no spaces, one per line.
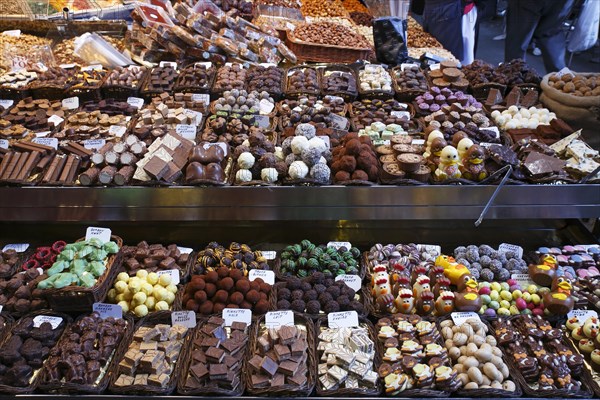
{"x":292,"y":93}
{"x":588,"y":371}
{"x":48,"y":91}
{"x":6,"y":326}
{"x":277,"y":94}
{"x":108,"y":369}
{"x":14,"y":93}
{"x":403,"y":94}
{"x":208,"y":390}
{"x":347,"y":95}
{"x":37,"y":375}
{"x":159,"y":317}
{"x":122,"y":92}
{"x":358,"y":392}
{"x":280,"y":277}
{"x":81,"y":299}
{"x":87,"y":93}
{"x":306,"y":51}
{"x":180,"y":88}
{"x":311,"y":362}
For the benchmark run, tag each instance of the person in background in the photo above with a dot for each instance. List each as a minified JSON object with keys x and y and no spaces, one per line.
{"x":542,"y":20}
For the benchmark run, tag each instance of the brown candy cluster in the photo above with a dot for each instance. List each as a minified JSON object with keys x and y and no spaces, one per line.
{"x":23,"y":354}
{"x":8,"y":261}
{"x":217,"y":355}
{"x":517,"y":72}
{"x":412,"y":78}
{"x":55,"y":76}
{"x":263,"y":151}
{"x":235,"y":256}
{"x":303,"y":80}
{"x":233,"y":131}
{"x":85,"y":350}
{"x":339,"y":82}
{"x":210,"y":293}
{"x":361,"y":18}
{"x":230,"y":77}
{"x":34,"y":114}
{"x":153,"y":258}
{"x":401,"y":159}
{"x":161,"y":79}
{"x":88,"y":79}
{"x":335,"y":104}
{"x":267,"y":79}
{"x":332,"y":34}
{"x":280,"y":358}
{"x":125,"y":76}
{"x":19,"y":294}
{"x":365,"y":112}
{"x":354,"y":159}
{"x":197,"y":76}
{"x":206,"y":162}
{"x":479,"y":72}
{"x":449,"y":76}
{"x":576,"y":85}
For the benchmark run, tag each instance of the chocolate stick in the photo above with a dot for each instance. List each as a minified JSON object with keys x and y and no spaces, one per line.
{"x":107,"y":174}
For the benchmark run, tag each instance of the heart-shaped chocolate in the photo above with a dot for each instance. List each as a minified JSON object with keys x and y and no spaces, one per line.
{"x":213,"y":154}
{"x":215,"y":172}
{"x":195,"y":171}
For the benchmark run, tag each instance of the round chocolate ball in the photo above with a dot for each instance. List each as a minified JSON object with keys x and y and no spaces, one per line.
{"x":298,"y":305}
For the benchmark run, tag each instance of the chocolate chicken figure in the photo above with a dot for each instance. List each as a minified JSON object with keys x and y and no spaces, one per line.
{"x":444,"y":304}
{"x":448,"y":166}
{"x":467,"y":297}
{"x":424,"y":303}
{"x":543,"y":273}
{"x":437,"y":146}
{"x":442,"y":284}
{"x":473,"y":165}
{"x":405,"y":302}
{"x":421,"y":285}
{"x":559,"y":300}
{"x":381,"y":288}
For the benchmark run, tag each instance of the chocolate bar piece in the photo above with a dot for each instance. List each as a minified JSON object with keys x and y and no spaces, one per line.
{"x":218,"y":371}
{"x":269,"y":366}
{"x":530,"y":99}
{"x":494,"y":97}
{"x":199,"y":371}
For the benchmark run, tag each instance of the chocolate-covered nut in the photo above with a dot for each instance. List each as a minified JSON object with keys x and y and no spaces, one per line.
{"x":333,"y":34}
{"x":125,"y":76}
{"x":268,"y":79}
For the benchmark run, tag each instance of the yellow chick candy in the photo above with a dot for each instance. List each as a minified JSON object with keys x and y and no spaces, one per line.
{"x":172,"y":288}
{"x":139,"y":298}
{"x":152,"y":278}
{"x":120,"y":286}
{"x":142,"y":274}
{"x":150,"y":303}
{"x":124,"y":305}
{"x":123,"y":277}
{"x":161,"y":305}
{"x":141,"y":310}
{"x":164,"y":280}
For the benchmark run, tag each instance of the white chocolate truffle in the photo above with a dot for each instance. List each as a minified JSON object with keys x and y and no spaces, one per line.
{"x":243,"y":175}
{"x":246,"y":160}
{"x":269,"y":175}
{"x":279,"y":153}
{"x":299,"y":143}
{"x":317,"y":143}
{"x":298,"y":170}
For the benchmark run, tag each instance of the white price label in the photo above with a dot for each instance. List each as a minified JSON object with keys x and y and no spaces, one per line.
{"x":231,"y":315}
{"x":339,"y":122}
{"x":186,"y":131}
{"x":117,"y":130}
{"x":13,"y":33}
{"x":173,"y":273}
{"x":95,"y":67}
{"x":486,"y":145}
{"x":93,"y":144}
{"x":418,"y":142}
{"x":18,"y":247}
{"x":267,"y":65}
{"x":263,"y":121}
{"x":406,"y":65}
{"x":582,"y":315}
{"x":1,"y":308}
{"x":42,"y":134}
{"x":337,"y":245}
{"x":275,"y":319}
{"x":135,"y":102}
{"x":524,"y":280}
{"x":430,"y":248}
{"x":327,"y":141}
{"x":290,"y":26}
{"x":51,"y":142}
{"x":40,"y":319}
{"x":353,"y":281}
{"x":504,"y":247}
{"x":185,"y":250}
{"x":564,"y":71}
{"x":335,"y":98}
{"x":56,"y":120}
{"x":400,"y":114}
{"x":197,"y":115}
{"x":222,"y":145}
{"x":205,"y":98}
{"x":433,"y":67}
{"x":492,"y":129}
{"x":6,"y":103}
{"x":3,"y":144}
{"x":183,"y":318}
{"x":269,"y":254}
{"x":266,"y":275}
{"x":101,"y":233}
{"x":460,"y":318}
{"x":71,"y":103}
{"x":265,"y":106}
{"x":344,"y":319}
{"x":108,"y":310}
{"x":168,"y":64}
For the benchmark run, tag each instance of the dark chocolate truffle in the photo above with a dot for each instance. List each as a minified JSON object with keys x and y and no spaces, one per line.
{"x":313,"y":307}
{"x":298,"y":305}
{"x":284,"y":294}
{"x":283,"y":305}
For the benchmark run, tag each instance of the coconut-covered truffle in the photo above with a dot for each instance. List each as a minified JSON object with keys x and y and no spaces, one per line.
{"x":243,"y":175}
{"x":311,"y":156}
{"x":307,"y":130}
{"x":290,"y":158}
{"x":286,"y":145}
{"x":318,"y":143}
{"x":299,"y":143}
{"x":269,"y":175}
{"x":298,"y":170}
{"x":246,"y":160}
{"x":321,"y":173}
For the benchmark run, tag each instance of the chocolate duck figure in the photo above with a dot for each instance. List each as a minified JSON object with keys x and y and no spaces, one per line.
{"x":463,"y":146}
{"x":424,"y":304}
{"x":448,"y":166}
{"x":435,"y":152}
{"x":444,"y":304}
{"x":543,"y":273}
{"x":405,"y":302}
{"x":467,"y":297}
{"x":473,"y":165}
{"x":559,"y":300}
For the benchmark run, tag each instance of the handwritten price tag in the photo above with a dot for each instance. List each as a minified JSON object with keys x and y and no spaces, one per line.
{"x":13,"y":33}
{"x":196,"y":116}
{"x":404,"y":66}
{"x":265,"y":106}
{"x":135,"y":102}
{"x":265,"y":275}
{"x":504,"y":247}
{"x":94,"y":143}
{"x":108,"y":310}
{"x":460,"y":318}
{"x":183,"y":318}
{"x":353,"y":281}
{"x":18,"y":247}
{"x":173,"y":273}
{"x":337,"y":245}
{"x":418,"y":142}
{"x":71,"y":103}
{"x":117,"y":130}
{"x":186,"y":131}
{"x":95,"y":67}
{"x":269,"y":254}
{"x":339,"y":122}
{"x":276,"y":319}
{"x":56,"y":120}
{"x":42,"y":134}
{"x":433,"y":67}
{"x":40,"y":319}
{"x":524,"y":280}
{"x":6,"y":103}
{"x":3,"y":144}
{"x":51,"y":142}
{"x":101,"y":233}
{"x":231,"y":315}
{"x":344,"y":319}
{"x":582,"y":315}
{"x":400,"y":114}
{"x":185,"y":250}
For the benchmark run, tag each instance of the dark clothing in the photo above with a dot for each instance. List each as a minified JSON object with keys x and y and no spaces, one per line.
{"x":443,"y":20}
{"x":542,"y":20}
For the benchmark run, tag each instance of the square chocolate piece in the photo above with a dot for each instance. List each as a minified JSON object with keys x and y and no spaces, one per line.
{"x":283,"y":352}
{"x":269,"y":366}
{"x":215,"y":355}
{"x":255,"y":362}
{"x":199,"y":371}
{"x":218,"y":371}
{"x":260,"y":381}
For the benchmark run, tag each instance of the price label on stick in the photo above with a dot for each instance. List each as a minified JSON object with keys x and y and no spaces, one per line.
{"x":183,"y":318}
{"x":266,"y":275}
{"x":135,"y":102}
{"x":460,"y":318}
{"x":53,"y":321}
{"x":6,"y":103}
{"x":18,"y":247}
{"x":582,"y":315}
{"x":276,"y":319}
{"x":71,"y":103}
{"x":337,"y":245}
{"x":173,"y":273}
{"x":3,"y":144}
{"x":344,"y":319}
{"x":101,"y":233}
{"x":353,"y":281}
{"x":231,"y":315}
{"x":51,"y":142}
{"x":108,"y":310}
{"x":269,"y":254}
